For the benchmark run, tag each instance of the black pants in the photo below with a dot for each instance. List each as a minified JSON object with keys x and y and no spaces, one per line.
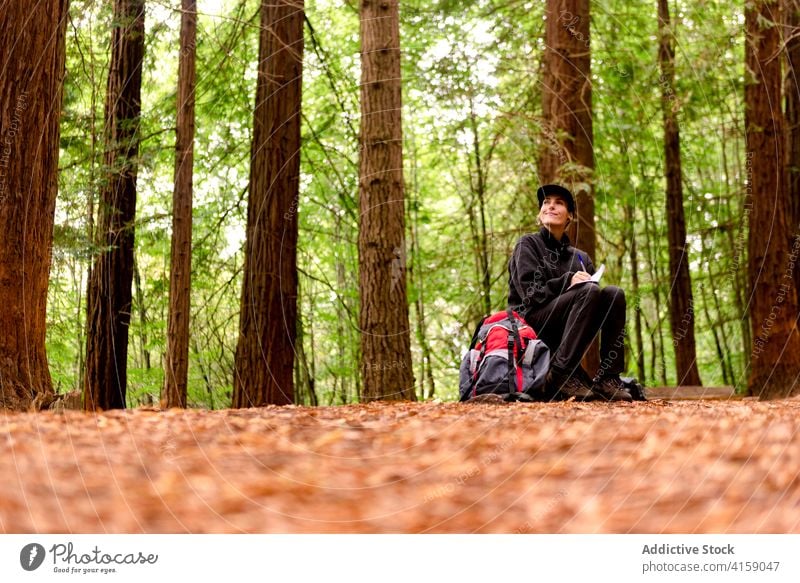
{"x":570,"y":322}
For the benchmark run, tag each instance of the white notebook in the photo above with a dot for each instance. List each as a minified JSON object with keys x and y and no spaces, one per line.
{"x":595,"y":278}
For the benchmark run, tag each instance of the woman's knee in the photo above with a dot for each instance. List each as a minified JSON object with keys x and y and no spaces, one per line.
{"x":613,"y":295}
{"x":588,"y":294}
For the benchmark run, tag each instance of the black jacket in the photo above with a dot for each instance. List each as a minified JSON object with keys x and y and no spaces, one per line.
{"x":540,"y":269}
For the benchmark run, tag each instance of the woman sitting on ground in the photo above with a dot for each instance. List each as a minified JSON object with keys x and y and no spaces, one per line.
{"x":550,"y":285}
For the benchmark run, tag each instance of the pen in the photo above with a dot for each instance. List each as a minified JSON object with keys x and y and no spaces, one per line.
{"x":583,"y":267}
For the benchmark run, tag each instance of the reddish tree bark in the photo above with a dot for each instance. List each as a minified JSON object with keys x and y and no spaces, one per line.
{"x":109,"y":295}
{"x":267,"y":324}
{"x":31,"y":82}
{"x":681,"y":300}
{"x":775,"y":358}
{"x":176,"y":365}
{"x":385,"y":335}
{"x":567,"y":155}
{"x":792,"y":99}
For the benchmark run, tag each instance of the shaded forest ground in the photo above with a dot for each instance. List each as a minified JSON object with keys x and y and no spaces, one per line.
{"x":659,"y":466}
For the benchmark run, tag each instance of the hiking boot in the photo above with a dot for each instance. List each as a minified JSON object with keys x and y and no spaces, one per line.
{"x":583,"y":376}
{"x":573,"y":387}
{"x":561,"y":387}
{"x":518,"y":398}
{"x":611,"y":389}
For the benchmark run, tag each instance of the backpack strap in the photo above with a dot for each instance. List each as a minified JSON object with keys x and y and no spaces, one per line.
{"x":477,"y":331}
{"x":515,"y":330}
{"x":513,"y":365}
{"x":473,"y":342}
{"x":512,"y":375}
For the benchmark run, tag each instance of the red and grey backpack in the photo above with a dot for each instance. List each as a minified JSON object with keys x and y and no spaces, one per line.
{"x":504,"y":358}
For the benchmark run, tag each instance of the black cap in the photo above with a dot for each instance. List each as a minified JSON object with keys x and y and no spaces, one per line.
{"x":556,"y":190}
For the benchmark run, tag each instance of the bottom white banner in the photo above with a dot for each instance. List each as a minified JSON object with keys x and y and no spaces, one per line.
{"x":356,"y":558}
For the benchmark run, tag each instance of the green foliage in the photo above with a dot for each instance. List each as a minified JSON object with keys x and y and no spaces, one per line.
{"x":472,"y":132}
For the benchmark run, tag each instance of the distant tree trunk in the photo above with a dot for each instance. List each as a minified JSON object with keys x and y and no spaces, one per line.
{"x":32,"y":57}
{"x":792,"y":97}
{"x":305,"y":392}
{"x":415,"y":270}
{"x":637,"y":308}
{"x":655,"y":279}
{"x":91,"y":194}
{"x":720,"y":322}
{"x":427,"y":356}
{"x":717,"y":343}
{"x":726,"y":351}
{"x":775,"y":359}
{"x":109,"y":294}
{"x":205,"y":373}
{"x":716,"y":323}
{"x":478,"y":188}
{"x":342,"y":329}
{"x":137,"y":286}
{"x":653,"y":350}
{"x":737,"y":272}
{"x":426,"y":372}
{"x":304,"y":380}
{"x":311,"y":358}
{"x":176,"y":365}
{"x":568,"y":154}
{"x":681,"y":303}
{"x":385,"y":336}
{"x":267,"y":324}
{"x":477,"y":307}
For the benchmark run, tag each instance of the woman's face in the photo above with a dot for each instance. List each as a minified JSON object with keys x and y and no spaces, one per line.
{"x":554,"y":213}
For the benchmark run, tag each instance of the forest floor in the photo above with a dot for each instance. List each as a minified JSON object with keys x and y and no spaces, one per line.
{"x":647,"y":467}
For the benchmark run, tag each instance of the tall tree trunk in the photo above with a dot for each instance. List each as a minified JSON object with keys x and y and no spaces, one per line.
{"x":267,"y":323}
{"x":792,"y":97}
{"x":568,"y":155}
{"x":176,"y":365}
{"x":681,"y":302}
{"x":567,"y":103}
{"x":775,"y":360}
{"x":32,"y":57}
{"x":109,"y":294}
{"x":385,"y":336}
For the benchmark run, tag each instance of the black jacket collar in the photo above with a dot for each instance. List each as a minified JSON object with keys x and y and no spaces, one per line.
{"x":551,"y":242}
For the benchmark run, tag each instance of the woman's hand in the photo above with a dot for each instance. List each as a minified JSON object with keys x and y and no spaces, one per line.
{"x":579,"y":277}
